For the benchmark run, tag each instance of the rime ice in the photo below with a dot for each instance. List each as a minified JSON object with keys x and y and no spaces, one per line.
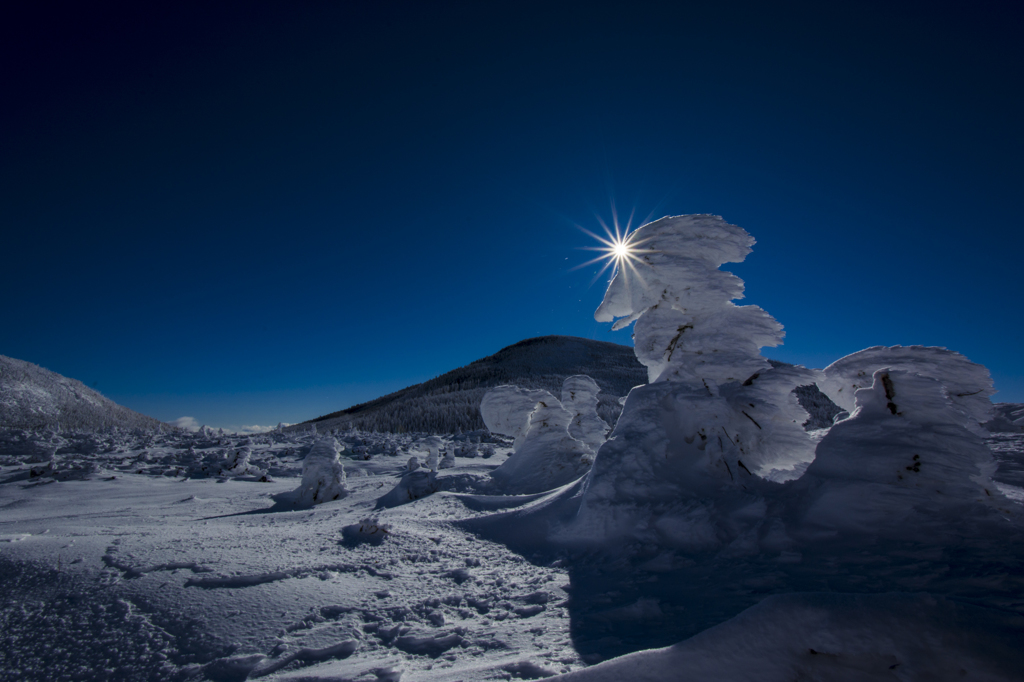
{"x":323,"y":474}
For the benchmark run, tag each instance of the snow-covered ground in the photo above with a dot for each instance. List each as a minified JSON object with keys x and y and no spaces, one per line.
{"x":140,"y":571}
{"x":153,"y":575}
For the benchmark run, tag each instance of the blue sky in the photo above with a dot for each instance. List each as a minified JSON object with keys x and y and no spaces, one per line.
{"x":251,"y":213}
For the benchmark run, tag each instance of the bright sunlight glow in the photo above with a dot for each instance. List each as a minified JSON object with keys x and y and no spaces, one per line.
{"x":620,"y":248}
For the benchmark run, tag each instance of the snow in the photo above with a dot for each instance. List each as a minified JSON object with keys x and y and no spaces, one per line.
{"x":708,"y":536}
{"x":32,"y":397}
{"x":323,"y":475}
{"x":182,"y":576}
{"x":506,"y":410}
{"x":967,"y":384}
{"x":580,"y":398}
{"x":1008,"y":418}
{"x":834,"y":637}
{"x":553,"y":445}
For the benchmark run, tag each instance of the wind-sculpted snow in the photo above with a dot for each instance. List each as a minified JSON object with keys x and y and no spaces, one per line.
{"x":506,"y":410}
{"x":33,"y":398}
{"x":323,"y":474}
{"x":580,"y":397}
{"x":546,"y":456}
{"x":687,"y":328}
{"x":968,"y":384}
{"x":903,"y":459}
{"x":554,"y":441}
{"x":717,"y":415}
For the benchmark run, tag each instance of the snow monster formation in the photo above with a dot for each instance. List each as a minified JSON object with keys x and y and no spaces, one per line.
{"x":579,"y":396}
{"x":691,"y":448}
{"x":323,"y":474}
{"x":555,"y":441}
{"x":910,"y":452}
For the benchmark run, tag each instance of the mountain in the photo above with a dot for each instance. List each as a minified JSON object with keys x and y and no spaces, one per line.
{"x":451,"y":402}
{"x":32,"y":397}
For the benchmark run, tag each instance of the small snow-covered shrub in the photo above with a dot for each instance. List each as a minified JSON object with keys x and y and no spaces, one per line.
{"x":370,"y":530}
{"x":323,"y":474}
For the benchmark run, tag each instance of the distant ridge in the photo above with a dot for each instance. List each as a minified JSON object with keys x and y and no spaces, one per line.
{"x":32,"y":397}
{"x":451,"y":402}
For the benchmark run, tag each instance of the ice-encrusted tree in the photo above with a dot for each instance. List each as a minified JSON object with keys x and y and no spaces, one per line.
{"x":323,"y":474}
{"x":716,"y":414}
{"x":579,"y":396}
{"x":910,"y":453}
{"x":544,"y":454}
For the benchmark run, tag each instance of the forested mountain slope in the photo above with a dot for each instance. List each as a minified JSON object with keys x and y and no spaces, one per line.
{"x":451,"y":402}
{"x":32,"y":397}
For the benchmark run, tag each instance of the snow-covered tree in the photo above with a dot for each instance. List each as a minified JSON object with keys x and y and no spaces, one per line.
{"x":910,"y":452}
{"x":546,"y":453}
{"x":716,"y":414}
{"x":579,"y":397}
{"x":323,"y":474}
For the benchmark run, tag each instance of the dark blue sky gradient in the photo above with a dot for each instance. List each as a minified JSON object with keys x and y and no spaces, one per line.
{"x":251,"y":213}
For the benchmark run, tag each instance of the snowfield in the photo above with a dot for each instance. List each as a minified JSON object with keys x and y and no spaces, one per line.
{"x":163,"y":576}
{"x":152,"y":575}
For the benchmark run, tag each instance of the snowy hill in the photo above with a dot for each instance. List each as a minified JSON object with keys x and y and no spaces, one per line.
{"x":32,"y":397}
{"x":451,"y":402}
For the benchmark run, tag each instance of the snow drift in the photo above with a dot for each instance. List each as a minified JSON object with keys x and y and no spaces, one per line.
{"x":836,"y":637}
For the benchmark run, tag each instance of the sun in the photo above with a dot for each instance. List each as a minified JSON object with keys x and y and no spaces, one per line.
{"x":620,"y":249}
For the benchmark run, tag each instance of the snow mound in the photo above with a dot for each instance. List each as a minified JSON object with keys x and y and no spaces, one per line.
{"x":808,"y":636}
{"x":370,"y":530}
{"x":323,"y":474}
{"x":237,"y":463}
{"x":506,"y":410}
{"x":545,"y":454}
